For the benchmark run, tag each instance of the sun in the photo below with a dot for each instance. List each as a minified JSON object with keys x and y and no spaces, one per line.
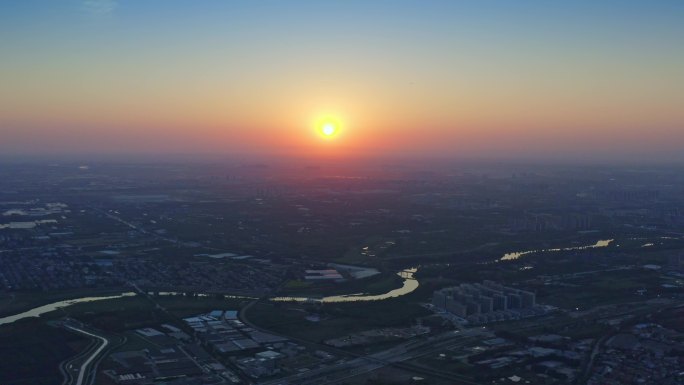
{"x":328,"y":128}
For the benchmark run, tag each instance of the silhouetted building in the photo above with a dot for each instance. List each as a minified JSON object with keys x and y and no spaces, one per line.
{"x":485,"y":302}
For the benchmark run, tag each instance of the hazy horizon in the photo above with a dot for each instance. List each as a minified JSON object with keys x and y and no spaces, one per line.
{"x":530,"y":80}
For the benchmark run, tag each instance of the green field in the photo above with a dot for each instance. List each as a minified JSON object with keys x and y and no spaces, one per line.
{"x":338,"y":319}
{"x":30,"y":352}
{"x":612,"y":287}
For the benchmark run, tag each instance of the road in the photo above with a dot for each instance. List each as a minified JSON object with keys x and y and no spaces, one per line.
{"x":360,"y":364}
{"x":66,"y":365}
{"x":396,"y":356}
{"x":85,"y":367}
{"x":145,"y":232}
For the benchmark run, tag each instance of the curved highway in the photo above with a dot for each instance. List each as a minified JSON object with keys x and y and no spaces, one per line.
{"x":85,"y":366}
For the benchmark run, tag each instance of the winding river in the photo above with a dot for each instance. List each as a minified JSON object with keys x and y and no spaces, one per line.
{"x":518,"y":254}
{"x":38,"y":311}
{"x":409,"y":285}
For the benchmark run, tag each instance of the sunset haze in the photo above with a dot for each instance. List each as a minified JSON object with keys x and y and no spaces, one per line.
{"x":446,"y":78}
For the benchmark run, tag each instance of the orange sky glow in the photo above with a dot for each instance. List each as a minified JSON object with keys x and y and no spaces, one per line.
{"x":442,"y":80}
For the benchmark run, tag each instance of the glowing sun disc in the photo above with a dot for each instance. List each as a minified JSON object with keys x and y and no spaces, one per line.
{"x":328,"y":129}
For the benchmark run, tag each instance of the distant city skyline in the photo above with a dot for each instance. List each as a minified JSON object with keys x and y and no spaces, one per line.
{"x":496,"y":79}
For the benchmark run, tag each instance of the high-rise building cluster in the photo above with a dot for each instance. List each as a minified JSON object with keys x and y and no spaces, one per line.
{"x":486,"y":302}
